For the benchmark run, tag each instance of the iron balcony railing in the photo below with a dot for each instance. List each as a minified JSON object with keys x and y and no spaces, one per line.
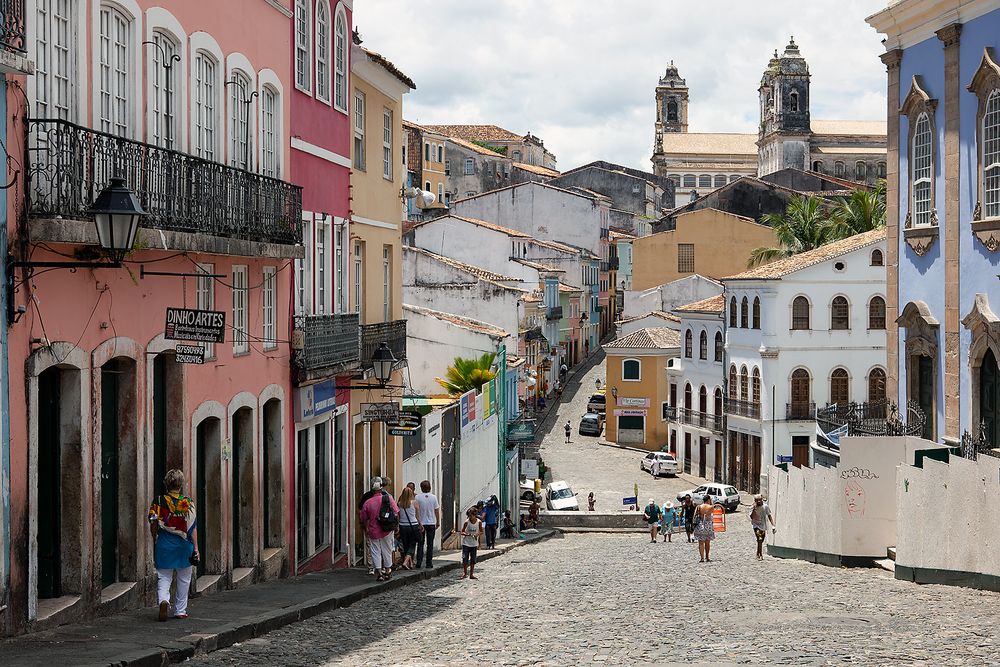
{"x":393,"y":333}
{"x":670,"y":412}
{"x":741,"y":408}
{"x":70,"y":164}
{"x":882,"y":418}
{"x":701,"y":419}
{"x":800,"y":410}
{"x":12,"y":28}
{"x":554,"y":313}
{"x":330,"y":342}
{"x":613,"y":264}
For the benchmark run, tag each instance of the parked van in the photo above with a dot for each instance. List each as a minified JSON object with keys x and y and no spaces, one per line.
{"x":597,"y":403}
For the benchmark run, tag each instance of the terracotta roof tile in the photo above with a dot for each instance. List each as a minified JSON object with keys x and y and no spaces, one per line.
{"x":714,"y":143}
{"x":542,"y":171}
{"x":713,"y":304}
{"x":477,"y":132}
{"x":477,"y":222}
{"x":539,"y":266}
{"x":871,"y":127}
{"x":389,"y":67}
{"x":618,"y":236}
{"x":482,"y":150}
{"x":459,"y":321}
{"x":476,"y":271}
{"x":563,"y":287}
{"x":783,"y":267}
{"x":653,"y":338}
{"x":662,"y":314}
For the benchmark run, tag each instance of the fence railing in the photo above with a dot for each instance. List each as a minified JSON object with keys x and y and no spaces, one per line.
{"x":12,"y":28}
{"x":330,"y":342}
{"x":701,"y":419}
{"x":972,"y":446}
{"x":393,"y":333}
{"x":872,"y":418}
{"x":735,"y":406}
{"x":800,"y":410}
{"x":70,"y":164}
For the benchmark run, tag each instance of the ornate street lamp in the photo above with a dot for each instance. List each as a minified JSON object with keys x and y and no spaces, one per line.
{"x":382,"y":363}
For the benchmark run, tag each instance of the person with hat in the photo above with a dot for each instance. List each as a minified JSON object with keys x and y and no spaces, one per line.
{"x":760,"y":514}
{"x":652,"y":516}
{"x":669,"y":519}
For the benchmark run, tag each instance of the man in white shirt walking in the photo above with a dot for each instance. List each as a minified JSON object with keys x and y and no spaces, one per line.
{"x":429,"y":517}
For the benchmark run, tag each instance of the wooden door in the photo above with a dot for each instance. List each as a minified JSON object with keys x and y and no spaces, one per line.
{"x":687,"y":453}
{"x":718,"y":461}
{"x":702,"y":457}
{"x":800,"y":450}
{"x":925,"y":393}
{"x":109,"y":475}
{"x":49,"y":513}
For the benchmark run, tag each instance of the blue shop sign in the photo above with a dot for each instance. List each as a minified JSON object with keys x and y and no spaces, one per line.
{"x":315,"y":400}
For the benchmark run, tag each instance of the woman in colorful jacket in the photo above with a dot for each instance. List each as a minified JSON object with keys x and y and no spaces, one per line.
{"x":175,"y":544}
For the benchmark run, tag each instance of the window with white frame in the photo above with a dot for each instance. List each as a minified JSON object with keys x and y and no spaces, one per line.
{"x":115,"y":71}
{"x":359,"y":267}
{"x":303,"y":45}
{"x":241,"y":340}
{"x":440,"y":193}
{"x":386,"y":283}
{"x":991,"y":156}
{"x":440,"y":153}
{"x":205,"y":297}
{"x":206,"y":105}
{"x":923,"y":163}
{"x":387,"y":144}
{"x":269,"y":308}
{"x":241,"y":146}
{"x":164,"y":73}
{"x":269,"y":131}
{"x":55,"y":53}
{"x":470,"y":166}
{"x":340,"y":47}
{"x":340,"y":265}
{"x":321,"y":272}
{"x":359,"y":130}
{"x":631,"y":370}
{"x":323,"y":50}
{"x":303,"y":271}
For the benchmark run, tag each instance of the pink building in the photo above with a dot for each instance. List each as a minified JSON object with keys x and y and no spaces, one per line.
{"x":189,"y":102}
{"x":326,"y":321}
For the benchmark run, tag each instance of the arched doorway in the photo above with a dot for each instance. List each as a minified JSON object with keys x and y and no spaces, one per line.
{"x":168,"y":417}
{"x":118,"y":448}
{"x":989,"y":397}
{"x":273,"y":477}
{"x":242,"y":494}
{"x":208,"y":494}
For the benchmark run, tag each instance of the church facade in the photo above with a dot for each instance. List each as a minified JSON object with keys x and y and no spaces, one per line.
{"x":787,"y":138}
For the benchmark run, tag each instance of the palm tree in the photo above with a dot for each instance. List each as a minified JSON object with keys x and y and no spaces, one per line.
{"x":467,"y":374}
{"x":804,"y":225}
{"x":862,"y":212}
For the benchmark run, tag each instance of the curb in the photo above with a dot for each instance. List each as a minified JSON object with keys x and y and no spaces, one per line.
{"x":225,"y":635}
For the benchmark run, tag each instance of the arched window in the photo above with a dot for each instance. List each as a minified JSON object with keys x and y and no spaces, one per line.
{"x":55,"y":60}
{"x":991,"y":156}
{"x":800,"y":394}
{"x":241,"y":145}
{"x":115,"y":80}
{"x":671,"y":111}
{"x":745,"y":314}
{"x":732,"y":312}
{"x":876,"y":313}
{"x":744,"y":384}
{"x":206,"y":106}
{"x":881,"y":170}
{"x":688,"y":344}
{"x":923,"y":166}
{"x":323,"y":50}
{"x":690,"y":180}
{"x":878,"y":259}
{"x":705,"y":181}
{"x":876,"y":385}
{"x":340,"y":47}
{"x":734,"y":177}
{"x":687,"y":396}
{"x":732,"y":382}
{"x":703,"y":400}
{"x":718,"y":346}
{"x":717,"y":408}
{"x":631,"y":370}
{"x":755,"y":385}
{"x":840,"y":314}
{"x":270,"y":132}
{"x":427,"y":186}
{"x":793,"y":102}
{"x":756,"y":312}
{"x":303,"y":45}
{"x":440,"y":153}
{"x":839,"y":386}
{"x":676,"y":179}
{"x":516,"y":156}
{"x":703,"y":346}
{"x":860,"y":170}
{"x":800,"y":313}
{"x":720,"y":180}
{"x":818,"y":166}
{"x":838,"y":169}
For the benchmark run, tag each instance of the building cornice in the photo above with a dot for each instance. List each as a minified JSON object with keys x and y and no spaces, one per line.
{"x":910,"y":22}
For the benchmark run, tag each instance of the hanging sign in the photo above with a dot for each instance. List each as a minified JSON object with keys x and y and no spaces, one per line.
{"x":630,"y":413}
{"x":189,"y":354}
{"x":632,"y":402}
{"x":208,"y":326}
{"x":406,"y":423}
{"x":379,"y":412}
{"x":315,"y":400}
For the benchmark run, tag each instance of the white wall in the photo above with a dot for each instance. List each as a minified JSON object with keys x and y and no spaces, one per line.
{"x":432,"y":344}
{"x":427,"y":464}
{"x":479,"y":475}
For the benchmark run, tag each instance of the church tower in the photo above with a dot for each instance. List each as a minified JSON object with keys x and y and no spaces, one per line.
{"x":671,"y":112}
{"x":784,"y":112}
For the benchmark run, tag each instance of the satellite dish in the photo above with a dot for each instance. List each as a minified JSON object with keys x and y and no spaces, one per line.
{"x":427,"y":198}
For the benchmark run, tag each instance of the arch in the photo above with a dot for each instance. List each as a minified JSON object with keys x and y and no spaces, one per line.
{"x":732,"y":382}
{"x":922,"y":159}
{"x":801,"y":313}
{"x":705,"y":181}
{"x":717,"y":407}
{"x":130,"y":11}
{"x":793,"y":102}
{"x":78,"y":27}
{"x":687,"y":395}
{"x":817,"y":166}
{"x":719,"y":346}
{"x":745,"y":313}
{"x":243,"y":497}
{"x":688,"y":344}
{"x":323,"y":52}
{"x":207,"y":433}
{"x":302,"y":45}
{"x":921,"y":354}
{"x":703,"y":400}
{"x":732,"y":312}
{"x":840,"y":386}
{"x":205,"y":81}
{"x":744,"y":383}
{"x":876,"y":385}
{"x":160,"y":20}
{"x":631,"y":370}
{"x":877,"y":258}
{"x":273,"y":465}
{"x":876,"y":313}
{"x":755,"y":386}
{"x":755,"y":318}
{"x":703,"y":345}
{"x":268,"y":82}
{"x":840,"y":314}
{"x":341,"y":58}
{"x":801,"y":394}
{"x":861,"y":170}
{"x":719,"y":180}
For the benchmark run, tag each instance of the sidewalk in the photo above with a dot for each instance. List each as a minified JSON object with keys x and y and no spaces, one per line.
{"x":135,"y":638}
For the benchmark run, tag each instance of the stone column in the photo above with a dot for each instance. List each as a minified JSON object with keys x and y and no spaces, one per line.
{"x":892,"y":59}
{"x":949,"y":36}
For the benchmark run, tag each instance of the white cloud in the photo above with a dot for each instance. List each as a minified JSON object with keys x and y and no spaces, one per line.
{"x":580,"y":74}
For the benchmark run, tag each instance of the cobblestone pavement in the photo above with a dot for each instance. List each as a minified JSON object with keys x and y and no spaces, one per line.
{"x":617,"y":599}
{"x":609,"y":472}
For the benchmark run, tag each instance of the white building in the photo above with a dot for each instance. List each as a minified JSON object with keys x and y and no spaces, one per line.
{"x":697,"y":381}
{"x":801,"y":332}
{"x":670,"y":295}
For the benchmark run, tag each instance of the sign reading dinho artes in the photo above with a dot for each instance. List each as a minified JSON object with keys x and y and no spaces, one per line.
{"x":208,"y":326}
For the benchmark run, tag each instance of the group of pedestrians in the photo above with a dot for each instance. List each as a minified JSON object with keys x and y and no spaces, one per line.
{"x":405,"y":526}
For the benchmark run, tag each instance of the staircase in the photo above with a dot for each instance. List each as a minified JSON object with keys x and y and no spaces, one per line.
{"x":889,"y":563}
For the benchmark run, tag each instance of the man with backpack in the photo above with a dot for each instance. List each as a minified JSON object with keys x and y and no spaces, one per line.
{"x":652,"y":515}
{"x":380,"y":519}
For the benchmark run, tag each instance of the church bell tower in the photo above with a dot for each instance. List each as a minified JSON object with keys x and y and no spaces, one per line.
{"x":784,"y":112}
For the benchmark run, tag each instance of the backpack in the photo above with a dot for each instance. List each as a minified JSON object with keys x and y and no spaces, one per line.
{"x":387,"y":519}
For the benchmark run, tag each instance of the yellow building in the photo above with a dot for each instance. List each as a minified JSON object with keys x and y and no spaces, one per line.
{"x":709,"y":242}
{"x":637,"y":387}
{"x":376,"y":256}
{"x":427,"y":160}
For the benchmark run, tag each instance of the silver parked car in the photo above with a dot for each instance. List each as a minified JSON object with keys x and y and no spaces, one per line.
{"x":722,"y":494}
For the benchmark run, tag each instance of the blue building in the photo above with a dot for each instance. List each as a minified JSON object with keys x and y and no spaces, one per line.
{"x":943,"y":211}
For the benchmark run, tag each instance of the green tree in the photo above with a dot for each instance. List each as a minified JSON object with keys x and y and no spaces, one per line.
{"x":466,"y":374}
{"x":804,"y":225}
{"x":862,"y":212}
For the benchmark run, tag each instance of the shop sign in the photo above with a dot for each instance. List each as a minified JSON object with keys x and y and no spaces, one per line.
{"x":379,"y":412}
{"x":529,"y":468}
{"x":208,"y":326}
{"x":406,"y":423}
{"x":315,"y":400}
{"x":630,"y":413}
{"x":633,"y":402}
{"x":189,"y":354}
{"x":784,"y":459}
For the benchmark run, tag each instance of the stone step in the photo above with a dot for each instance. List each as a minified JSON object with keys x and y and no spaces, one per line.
{"x":887,"y":564}
{"x":891,"y":553}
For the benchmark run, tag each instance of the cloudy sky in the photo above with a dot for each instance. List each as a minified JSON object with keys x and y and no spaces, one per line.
{"x":580,"y":74}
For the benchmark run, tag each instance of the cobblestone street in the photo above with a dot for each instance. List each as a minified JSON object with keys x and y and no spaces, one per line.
{"x":617,"y":599}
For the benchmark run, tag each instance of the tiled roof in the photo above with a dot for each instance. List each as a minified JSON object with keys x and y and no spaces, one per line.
{"x":555,"y":245}
{"x":482,"y":150}
{"x":849,"y":150}
{"x":653,"y":338}
{"x":417,"y":126}
{"x":662,"y":314}
{"x":514,"y":361}
{"x":541,"y":171}
{"x":389,"y":67}
{"x":459,"y":321}
{"x":563,"y":287}
{"x":476,"y":271}
{"x":588,"y":192}
{"x":713,"y":304}
{"x":618,"y":236}
{"x":714,"y":143}
{"x":479,"y":223}
{"x":871,"y":127}
{"x":783,"y":267}
{"x":539,"y":266}
{"x":477,"y":132}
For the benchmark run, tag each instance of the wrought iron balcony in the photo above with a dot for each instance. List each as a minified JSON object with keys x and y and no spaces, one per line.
{"x":70,"y":164}
{"x":393,"y":333}
{"x":13,"y":25}
{"x":872,"y":418}
{"x":701,"y":419}
{"x":670,"y":412}
{"x":800,"y":411}
{"x":330,"y":343}
{"x":750,"y":409}
{"x":554,"y":313}
{"x":613,"y":264}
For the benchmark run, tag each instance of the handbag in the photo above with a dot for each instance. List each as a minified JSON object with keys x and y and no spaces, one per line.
{"x":195,"y":558}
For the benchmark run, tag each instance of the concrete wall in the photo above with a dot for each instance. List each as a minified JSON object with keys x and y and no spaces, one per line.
{"x":806,"y":504}
{"x":479,"y":475}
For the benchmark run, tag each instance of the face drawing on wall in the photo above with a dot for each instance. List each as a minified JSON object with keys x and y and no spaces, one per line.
{"x":855,"y":496}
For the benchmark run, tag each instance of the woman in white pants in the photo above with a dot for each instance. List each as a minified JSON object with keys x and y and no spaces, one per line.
{"x":175,"y":544}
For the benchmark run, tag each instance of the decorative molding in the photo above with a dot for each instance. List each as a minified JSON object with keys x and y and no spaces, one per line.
{"x":988,"y":233}
{"x":981,"y":314}
{"x":917,"y":100}
{"x":920,"y":239}
{"x":891,"y":59}
{"x":977,"y":211}
{"x":917,"y":314}
{"x":987,"y":74}
{"x":950,"y":34}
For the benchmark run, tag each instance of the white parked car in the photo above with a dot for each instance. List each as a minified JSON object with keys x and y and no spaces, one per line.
{"x":722,"y":494}
{"x":660,"y":463}
{"x":558,"y":496}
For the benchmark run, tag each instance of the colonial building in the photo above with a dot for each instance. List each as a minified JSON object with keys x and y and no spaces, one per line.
{"x":424,"y":158}
{"x":472,"y":168}
{"x":641,"y":193}
{"x":801,"y":332}
{"x":787,"y":136}
{"x":525,"y":149}
{"x":943,"y":204}
{"x":637,"y":394}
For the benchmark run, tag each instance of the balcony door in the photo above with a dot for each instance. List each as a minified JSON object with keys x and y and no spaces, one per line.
{"x":800,"y":393}
{"x":989,"y":397}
